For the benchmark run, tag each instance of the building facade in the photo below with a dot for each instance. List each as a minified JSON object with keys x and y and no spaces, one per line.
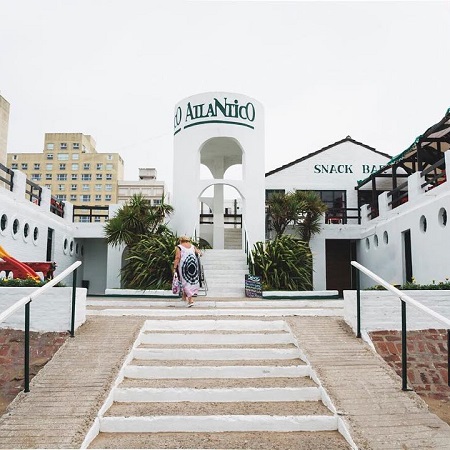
{"x":72,"y":169}
{"x":4,"y":126}
{"x":148,"y":185}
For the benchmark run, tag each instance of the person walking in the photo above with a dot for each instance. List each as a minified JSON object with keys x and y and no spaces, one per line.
{"x":187,"y":267}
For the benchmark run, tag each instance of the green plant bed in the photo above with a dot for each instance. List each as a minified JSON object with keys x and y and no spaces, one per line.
{"x":413,"y":286}
{"x":27,"y":282}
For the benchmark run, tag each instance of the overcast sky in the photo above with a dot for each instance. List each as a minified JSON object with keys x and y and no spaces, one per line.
{"x":114,"y":69}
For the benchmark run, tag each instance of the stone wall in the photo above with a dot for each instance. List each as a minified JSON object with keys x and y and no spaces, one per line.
{"x":42,"y":348}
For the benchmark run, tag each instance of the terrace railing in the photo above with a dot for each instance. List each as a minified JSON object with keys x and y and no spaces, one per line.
{"x":405,"y":299}
{"x":7,"y":176}
{"x":434,"y":175}
{"x":86,"y":213}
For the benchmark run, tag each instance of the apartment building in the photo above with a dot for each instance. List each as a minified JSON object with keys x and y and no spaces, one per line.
{"x":148,"y":185}
{"x":4,"y":122}
{"x":72,"y":169}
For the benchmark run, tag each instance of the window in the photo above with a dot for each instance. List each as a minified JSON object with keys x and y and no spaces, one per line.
{"x":85,"y":187}
{"x":61,"y":197}
{"x":84,"y":149}
{"x":75,"y":166}
{"x":73,"y":187}
{"x":109,"y":166}
{"x":109,"y":176}
{"x":108,"y":187}
{"x":74,"y":177}
{"x":62,"y":166}
{"x":50,"y":146}
{"x":109,"y":157}
{"x":48,"y":186}
{"x":15,"y":157}
{"x":61,"y":177}
{"x":63,"y":145}
{"x":24,"y":166}
{"x":49,"y":166}
{"x":85,"y":198}
{"x":75,"y":156}
{"x":99,"y":166}
{"x":73,"y":197}
{"x":86,"y":176}
{"x":48,"y":176}
{"x":98,"y":197}
{"x":49,"y":155}
{"x":14,"y":166}
{"x":108,"y":197}
{"x":76,"y":146}
{"x":37,"y":166}
{"x":35,"y":177}
{"x":99,"y":176}
{"x":158,"y":201}
{"x":98,"y":187}
{"x":270,"y":192}
{"x":63,"y":156}
{"x":86,"y":166}
{"x":61,"y":187}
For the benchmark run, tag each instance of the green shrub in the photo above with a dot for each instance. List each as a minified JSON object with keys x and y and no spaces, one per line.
{"x":413,"y":286}
{"x":284,"y":264}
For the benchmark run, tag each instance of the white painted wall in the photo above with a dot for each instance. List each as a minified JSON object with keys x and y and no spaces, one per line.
{"x":355,"y":162}
{"x":51,"y":311}
{"x":14,"y":205}
{"x":381,"y":310}
{"x":430,"y":255}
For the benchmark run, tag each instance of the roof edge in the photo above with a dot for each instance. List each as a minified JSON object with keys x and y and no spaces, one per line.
{"x":303,"y":158}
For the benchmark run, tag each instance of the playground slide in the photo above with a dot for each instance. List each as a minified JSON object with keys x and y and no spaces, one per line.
{"x":20,"y":269}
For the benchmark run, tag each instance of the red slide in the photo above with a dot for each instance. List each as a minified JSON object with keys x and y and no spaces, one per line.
{"x":19,"y":269}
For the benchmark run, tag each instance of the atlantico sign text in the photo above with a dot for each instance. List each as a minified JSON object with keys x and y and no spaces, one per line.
{"x":216,"y":111}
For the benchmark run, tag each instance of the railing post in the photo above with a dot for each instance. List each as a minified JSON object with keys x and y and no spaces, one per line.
{"x":358,"y":304}
{"x":448,"y":357}
{"x":74,"y":295}
{"x":26,"y":369}
{"x":404,"y":349}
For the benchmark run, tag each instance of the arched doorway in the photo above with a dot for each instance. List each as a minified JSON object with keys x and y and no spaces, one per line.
{"x":221,"y":205}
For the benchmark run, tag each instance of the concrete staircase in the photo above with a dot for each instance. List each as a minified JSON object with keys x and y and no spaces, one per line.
{"x":216,"y":384}
{"x":233,"y":238}
{"x":225,"y":272}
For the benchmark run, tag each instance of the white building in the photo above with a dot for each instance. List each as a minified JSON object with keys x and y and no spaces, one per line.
{"x":390,"y":214}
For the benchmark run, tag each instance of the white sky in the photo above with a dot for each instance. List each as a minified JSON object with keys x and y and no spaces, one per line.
{"x":114,"y":69}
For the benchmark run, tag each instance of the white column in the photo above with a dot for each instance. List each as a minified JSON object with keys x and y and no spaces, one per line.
{"x":218,"y":235}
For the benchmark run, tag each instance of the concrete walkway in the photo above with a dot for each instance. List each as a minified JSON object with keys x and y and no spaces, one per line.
{"x":67,"y":393}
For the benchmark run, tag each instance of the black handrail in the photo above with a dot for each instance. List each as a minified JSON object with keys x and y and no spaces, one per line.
{"x":25,"y":301}
{"x":398,"y":195}
{"x":34,"y":192}
{"x":404,"y":299}
{"x":437,"y":178}
{"x":9,"y":182}
{"x":229,"y":219}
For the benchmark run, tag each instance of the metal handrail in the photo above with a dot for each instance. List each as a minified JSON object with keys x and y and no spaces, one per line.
{"x":248,"y":246}
{"x":25,"y":301}
{"x":404,"y":300}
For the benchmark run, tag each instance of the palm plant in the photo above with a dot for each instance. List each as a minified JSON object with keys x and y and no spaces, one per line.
{"x":135,"y":220}
{"x":283,"y":264}
{"x":311,"y":210}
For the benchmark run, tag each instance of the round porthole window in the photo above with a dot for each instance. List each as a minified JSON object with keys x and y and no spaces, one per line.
{"x":26,"y":230}
{"x":15,"y":227}
{"x":77,"y":248}
{"x":442,"y":217}
{"x":367,"y":244}
{"x":386,"y":237}
{"x":35,"y":234}
{"x":3,"y":222}
{"x":375,"y":240}
{"x":423,"y":224}
{"x":71,"y":247}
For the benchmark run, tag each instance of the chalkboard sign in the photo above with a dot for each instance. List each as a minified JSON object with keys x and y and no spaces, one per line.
{"x":253,"y":286}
